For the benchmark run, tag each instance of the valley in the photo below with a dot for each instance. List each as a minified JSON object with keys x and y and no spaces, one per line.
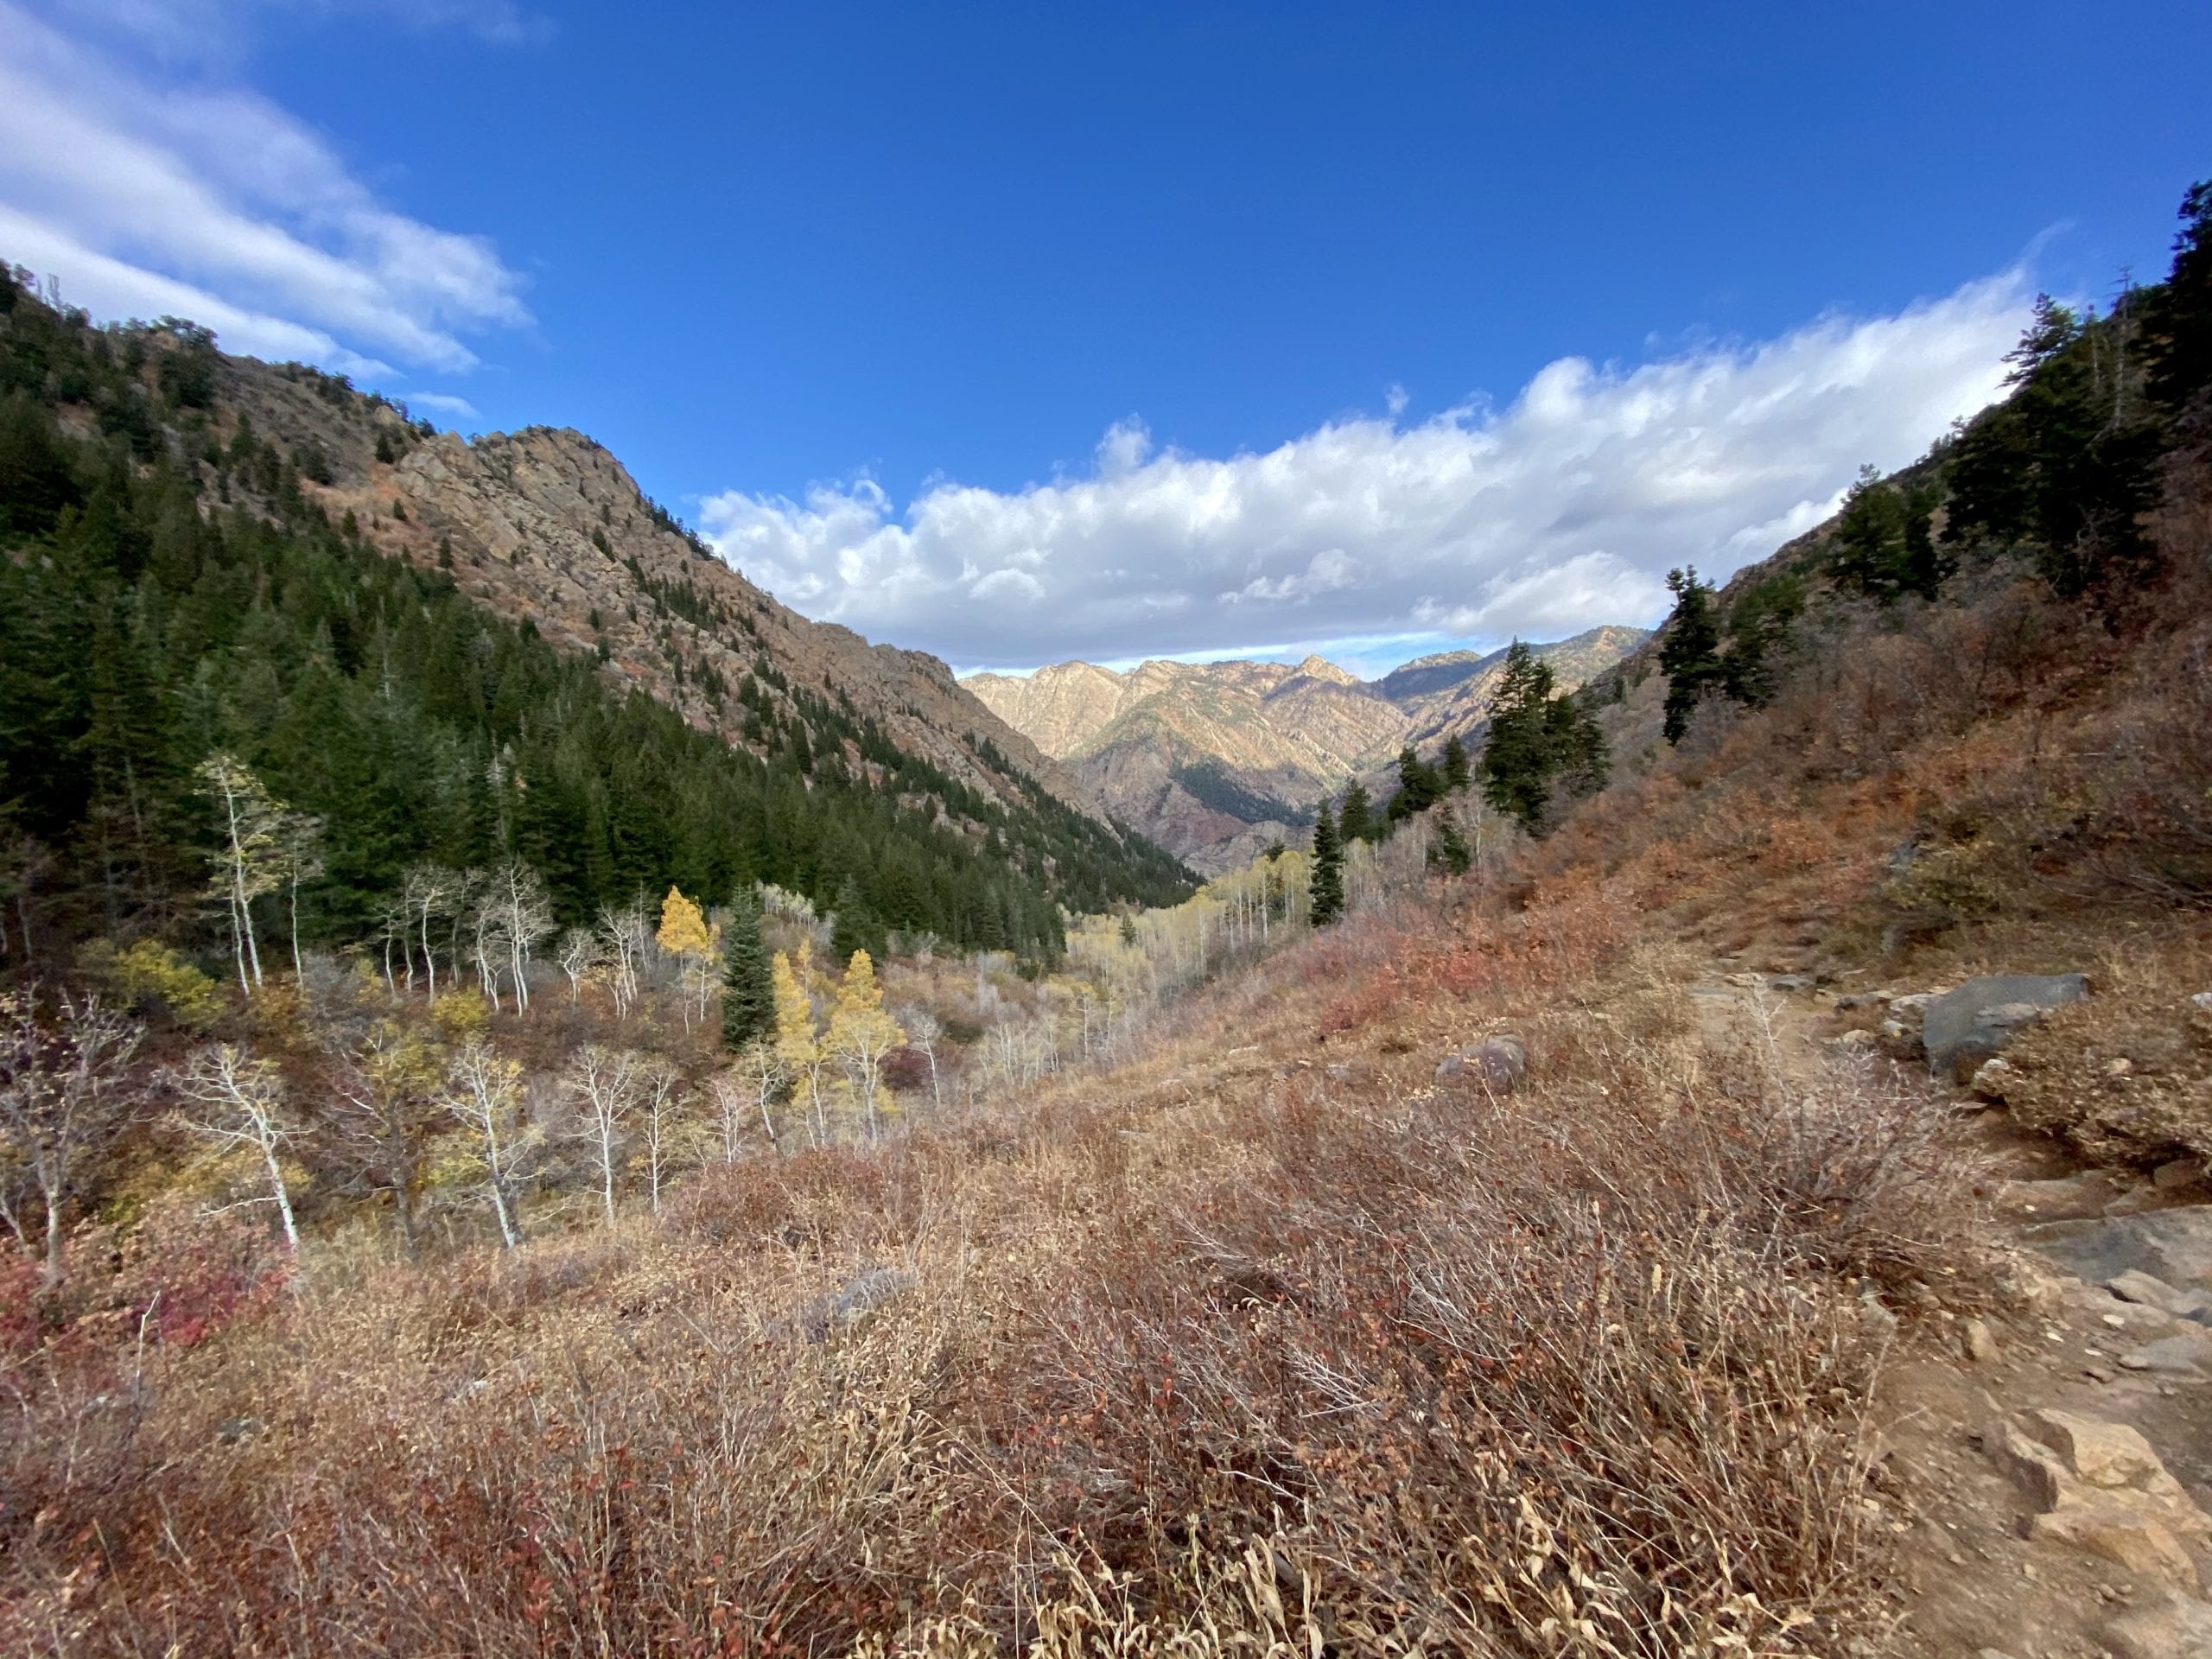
{"x":551,"y":1105}
{"x":1217,"y":761}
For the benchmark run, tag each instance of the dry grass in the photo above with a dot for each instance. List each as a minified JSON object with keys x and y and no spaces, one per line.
{"x":1225,"y":1351}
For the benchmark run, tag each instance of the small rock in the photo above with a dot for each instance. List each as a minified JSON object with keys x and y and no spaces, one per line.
{"x":2119,"y":1068}
{"x":1991,"y":1078}
{"x":1981,"y":1346}
{"x":2139,"y":1287}
{"x":1899,"y":1040}
{"x":2121,"y":1533}
{"x":2102,"y":1453}
{"x":2178,"y":1174}
{"x":2034,"y":1469}
{"x":2203,"y":1000}
{"x":1790,"y":983}
{"x":1880,"y":1322}
{"x":1912,"y":1007}
{"x":1857,"y":1040}
{"x":2188,"y":1355}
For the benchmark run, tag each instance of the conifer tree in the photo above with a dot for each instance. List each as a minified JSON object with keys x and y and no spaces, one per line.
{"x":1355,"y":818}
{"x":1690,"y":654}
{"x":1418,"y":786}
{"x":748,"y":985}
{"x":1517,"y":762}
{"x":1457,"y":775}
{"x":1447,"y":849}
{"x":1325,"y":889}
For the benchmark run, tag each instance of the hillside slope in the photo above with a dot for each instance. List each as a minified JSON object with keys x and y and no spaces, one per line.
{"x":457,"y":653}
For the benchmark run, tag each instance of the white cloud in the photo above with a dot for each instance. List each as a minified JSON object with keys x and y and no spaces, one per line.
{"x":1561,"y":511}
{"x":134,"y":191}
{"x":444,"y":402}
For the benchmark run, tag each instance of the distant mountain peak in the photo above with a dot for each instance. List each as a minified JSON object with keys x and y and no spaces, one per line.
{"x":1321,"y":668}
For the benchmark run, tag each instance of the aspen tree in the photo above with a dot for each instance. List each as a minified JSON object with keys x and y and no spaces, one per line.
{"x":250,"y":861}
{"x":797,"y":1045}
{"x":240,"y":1102}
{"x":684,"y":935}
{"x":61,"y":1100}
{"x":603,"y":1082}
{"x":483,"y":1093}
{"x":861,"y":1034}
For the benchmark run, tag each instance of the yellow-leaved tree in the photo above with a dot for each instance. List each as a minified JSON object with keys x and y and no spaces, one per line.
{"x":685,"y":936}
{"x":797,"y":1045}
{"x":861,"y":1034}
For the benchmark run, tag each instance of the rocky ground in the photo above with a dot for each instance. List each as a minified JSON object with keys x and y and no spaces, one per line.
{"x":2046,"y":1465}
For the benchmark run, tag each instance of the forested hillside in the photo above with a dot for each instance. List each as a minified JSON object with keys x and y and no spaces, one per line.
{"x":173,"y":589}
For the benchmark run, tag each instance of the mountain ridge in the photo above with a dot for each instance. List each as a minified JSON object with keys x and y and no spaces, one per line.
{"x":1168,"y":746}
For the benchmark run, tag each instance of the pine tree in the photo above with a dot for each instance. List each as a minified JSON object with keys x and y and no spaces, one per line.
{"x":1517,"y":762}
{"x":748,"y":985}
{"x":856,"y":926}
{"x":1326,"y":888}
{"x":1419,"y":787}
{"x":1447,"y":849}
{"x":1690,"y":654}
{"x":1457,"y":774}
{"x":2180,"y":344}
{"x":1356,"y":819}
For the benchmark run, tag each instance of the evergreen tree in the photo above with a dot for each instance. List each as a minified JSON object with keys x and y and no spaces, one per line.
{"x":1690,"y":654}
{"x":1884,"y":545}
{"x":856,"y":926}
{"x":1326,"y":888}
{"x":1447,"y":849}
{"x":1419,"y":787}
{"x":1356,"y":819}
{"x":2180,"y":321}
{"x":1517,"y":763}
{"x":1542,"y":747}
{"x":1457,"y":775}
{"x":2065,"y":466}
{"x":749,"y":988}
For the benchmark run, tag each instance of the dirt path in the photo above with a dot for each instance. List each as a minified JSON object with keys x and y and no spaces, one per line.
{"x":2005,"y":1548}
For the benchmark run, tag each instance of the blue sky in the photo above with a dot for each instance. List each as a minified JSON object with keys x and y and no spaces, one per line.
{"x":1017,"y":333}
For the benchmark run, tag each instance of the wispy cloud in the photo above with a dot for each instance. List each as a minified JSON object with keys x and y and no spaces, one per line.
{"x":1562,"y":511}
{"x":444,"y":402}
{"x":207,"y":199}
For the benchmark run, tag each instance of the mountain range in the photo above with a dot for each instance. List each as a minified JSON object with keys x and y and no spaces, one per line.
{"x":1214,"y":762}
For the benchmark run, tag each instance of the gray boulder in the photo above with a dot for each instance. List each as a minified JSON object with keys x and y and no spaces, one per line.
{"x":2172,"y":1245}
{"x":1496,"y":1064}
{"x":1961,"y":1028}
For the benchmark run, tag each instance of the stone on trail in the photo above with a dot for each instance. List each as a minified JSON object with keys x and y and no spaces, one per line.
{"x":2172,"y":1245}
{"x":2174,"y":1627}
{"x":1963,"y":1027}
